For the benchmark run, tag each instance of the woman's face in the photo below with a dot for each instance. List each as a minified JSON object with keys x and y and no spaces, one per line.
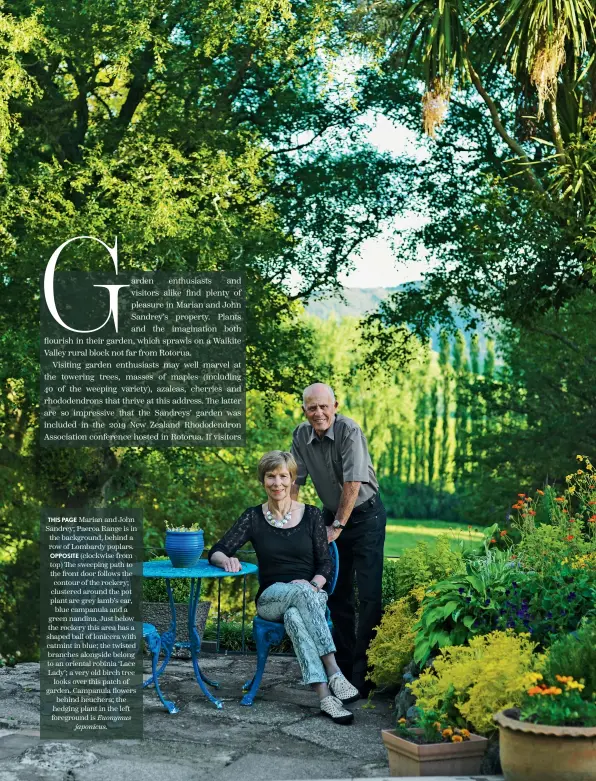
{"x":278,"y":483}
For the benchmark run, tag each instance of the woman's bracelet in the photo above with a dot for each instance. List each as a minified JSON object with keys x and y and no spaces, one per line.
{"x":315,"y":584}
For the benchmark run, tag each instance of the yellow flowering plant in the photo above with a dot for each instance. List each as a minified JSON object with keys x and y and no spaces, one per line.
{"x":469,"y":683}
{"x":393,"y":646}
{"x":559,"y":703}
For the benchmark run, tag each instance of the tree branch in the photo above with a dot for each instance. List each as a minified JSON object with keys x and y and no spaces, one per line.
{"x":500,"y":128}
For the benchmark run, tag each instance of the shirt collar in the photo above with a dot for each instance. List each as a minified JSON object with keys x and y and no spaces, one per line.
{"x":329,"y":433}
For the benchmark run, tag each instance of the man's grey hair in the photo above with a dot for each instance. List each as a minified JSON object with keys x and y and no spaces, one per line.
{"x":328,"y":388}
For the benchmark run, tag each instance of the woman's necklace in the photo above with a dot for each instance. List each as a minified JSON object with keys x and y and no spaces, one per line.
{"x":278,"y":522}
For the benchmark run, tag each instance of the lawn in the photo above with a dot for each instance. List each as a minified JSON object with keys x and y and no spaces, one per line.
{"x":402,"y":534}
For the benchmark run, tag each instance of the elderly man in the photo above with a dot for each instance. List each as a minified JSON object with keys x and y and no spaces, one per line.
{"x":332,"y":449}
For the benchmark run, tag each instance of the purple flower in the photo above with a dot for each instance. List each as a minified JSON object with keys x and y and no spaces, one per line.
{"x":461,"y":590}
{"x":571,"y":596}
{"x":486,"y":602}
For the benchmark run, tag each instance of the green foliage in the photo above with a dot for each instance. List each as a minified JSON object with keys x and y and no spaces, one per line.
{"x":194,"y":527}
{"x":464,"y":605}
{"x":469,"y":683}
{"x":415,"y":500}
{"x":574,"y":654}
{"x":154,"y":589}
{"x":423,"y":565}
{"x":230,"y":635}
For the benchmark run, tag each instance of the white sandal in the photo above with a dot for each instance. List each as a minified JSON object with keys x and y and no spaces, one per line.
{"x":343,"y":689}
{"x":332,"y":707}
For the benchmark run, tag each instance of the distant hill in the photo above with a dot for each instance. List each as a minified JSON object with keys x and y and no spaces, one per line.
{"x":359,"y":300}
{"x":362,"y":300}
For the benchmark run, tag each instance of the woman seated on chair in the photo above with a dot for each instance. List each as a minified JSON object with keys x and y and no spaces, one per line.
{"x":290,"y":540}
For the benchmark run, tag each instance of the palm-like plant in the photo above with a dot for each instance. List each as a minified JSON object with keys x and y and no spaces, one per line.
{"x":537,"y":35}
{"x":439,"y":33}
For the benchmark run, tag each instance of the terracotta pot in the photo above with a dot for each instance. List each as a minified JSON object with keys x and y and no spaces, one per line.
{"x":433,"y":759}
{"x":536,"y":752}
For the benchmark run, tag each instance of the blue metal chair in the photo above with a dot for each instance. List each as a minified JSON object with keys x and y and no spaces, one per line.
{"x":268,"y":633}
{"x":152,"y":638}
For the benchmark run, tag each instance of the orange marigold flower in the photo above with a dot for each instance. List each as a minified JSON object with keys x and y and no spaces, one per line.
{"x":569,"y":537}
{"x":539,"y":492}
{"x":592,"y":519}
{"x":521,"y":496}
{"x":579,"y":472}
{"x":401,"y":721}
{"x":457,"y":739}
{"x":566,"y":511}
{"x":592,"y":501}
{"x":493,"y":539}
{"x":571,"y":520}
{"x":532,"y":512}
{"x":534,"y":690}
{"x":503,"y":533}
{"x":465,"y":733}
{"x":447,"y":733}
{"x":514,"y":556}
{"x":437,"y":725}
{"x":559,"y":498}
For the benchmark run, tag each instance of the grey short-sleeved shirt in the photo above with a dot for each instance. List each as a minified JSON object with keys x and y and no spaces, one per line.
{"x":340,"y":456}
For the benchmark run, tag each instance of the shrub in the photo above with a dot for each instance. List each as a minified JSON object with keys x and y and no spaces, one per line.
{"x":418,"y":501}
{"x":422,"y":565}
{"x":154,"y":589}
{"x":548,"y":603}
{"x":393,"y":646}
{"x":575,"y":655}
{"x":390,"y":587}
{"x":476,"y":680}
{"x":465,"y":604}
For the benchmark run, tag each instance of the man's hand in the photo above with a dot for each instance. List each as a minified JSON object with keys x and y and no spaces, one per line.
{"x":305,"y":582}
{"x":231,"y":564}
{"x":332,"y":534}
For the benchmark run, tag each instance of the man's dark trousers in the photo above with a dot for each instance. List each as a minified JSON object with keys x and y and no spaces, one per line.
{"x":360,"y":548}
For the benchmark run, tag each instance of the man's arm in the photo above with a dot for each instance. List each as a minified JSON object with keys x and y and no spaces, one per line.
{"x":347,"y":500}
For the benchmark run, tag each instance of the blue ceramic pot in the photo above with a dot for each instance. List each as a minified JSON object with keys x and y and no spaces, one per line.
{"x":184,"y":548}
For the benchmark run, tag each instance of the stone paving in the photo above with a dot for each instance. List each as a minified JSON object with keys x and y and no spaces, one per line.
{"x":281,"y":738}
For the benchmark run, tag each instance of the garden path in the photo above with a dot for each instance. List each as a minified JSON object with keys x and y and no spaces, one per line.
{"x":280,"y":738}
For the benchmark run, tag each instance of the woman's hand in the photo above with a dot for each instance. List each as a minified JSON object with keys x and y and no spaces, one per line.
{"x":305,"y":583}
{"x":227,"y":563}
{"x":232,"y":564}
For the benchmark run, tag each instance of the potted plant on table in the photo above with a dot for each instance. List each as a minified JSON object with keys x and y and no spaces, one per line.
{"x":184,"y":544}
{"x":432,"y":747}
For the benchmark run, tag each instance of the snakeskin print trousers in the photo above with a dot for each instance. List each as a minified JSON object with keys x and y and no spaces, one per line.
{"x":302,"y":610}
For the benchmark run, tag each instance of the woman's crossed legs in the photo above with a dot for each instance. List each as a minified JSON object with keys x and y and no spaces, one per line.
{"x":302,"y":610}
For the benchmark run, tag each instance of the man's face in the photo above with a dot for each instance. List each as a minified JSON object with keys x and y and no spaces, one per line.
{"x":319,"y":409}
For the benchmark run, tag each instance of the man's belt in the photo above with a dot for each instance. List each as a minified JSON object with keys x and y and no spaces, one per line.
{"x":368,"y":506}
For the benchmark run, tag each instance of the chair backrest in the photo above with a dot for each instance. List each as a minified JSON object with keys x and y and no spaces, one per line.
{"x":330,"y":586}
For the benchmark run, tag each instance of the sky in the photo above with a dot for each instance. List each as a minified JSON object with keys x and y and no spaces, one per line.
{"x":377,"y":266}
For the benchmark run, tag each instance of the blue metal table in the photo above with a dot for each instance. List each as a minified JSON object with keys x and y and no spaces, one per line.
{"x":164,"y":569}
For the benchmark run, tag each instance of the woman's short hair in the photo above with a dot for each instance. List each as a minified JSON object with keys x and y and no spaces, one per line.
{"x":275,"y":459}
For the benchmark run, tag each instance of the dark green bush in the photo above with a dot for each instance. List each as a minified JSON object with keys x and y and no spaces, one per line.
{"x":575,"y":654}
